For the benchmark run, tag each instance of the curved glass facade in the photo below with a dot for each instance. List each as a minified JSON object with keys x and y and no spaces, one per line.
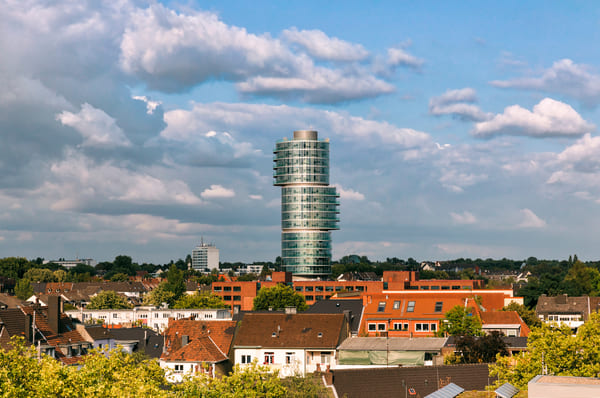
{"x":309,"y":206}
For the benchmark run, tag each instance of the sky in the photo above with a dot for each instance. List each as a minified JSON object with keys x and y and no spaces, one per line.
{"x":457,"y":129}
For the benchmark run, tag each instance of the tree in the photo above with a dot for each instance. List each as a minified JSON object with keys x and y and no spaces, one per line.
{"x":23,"y":289}
{"x":526,"y":314}
{"x":175,"y":282}
{"x":553,"y":349}
{"x":108,"y":299}
{"x":14,"y":267}
{"x":484,"y":349}
{"x":200,"y":300}
{"x":39,"y":275}
{"x":279,"y":297}
{"x":581,"y":280}
{"x":461,"y":321}
{"x":160,"y":295}
{"x":119,"y":277}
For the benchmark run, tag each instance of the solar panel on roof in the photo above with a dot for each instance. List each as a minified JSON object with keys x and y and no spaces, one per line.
{"x":506,"y":390}
{"x":449,"y":391}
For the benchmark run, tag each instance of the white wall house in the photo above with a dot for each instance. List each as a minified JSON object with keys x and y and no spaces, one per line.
{"x":155,"y":318}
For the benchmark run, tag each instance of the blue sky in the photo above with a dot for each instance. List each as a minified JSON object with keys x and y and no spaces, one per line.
{"x":457,"y":129}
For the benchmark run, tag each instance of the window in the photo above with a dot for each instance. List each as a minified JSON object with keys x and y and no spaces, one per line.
{"x":269,"y":357}
{"x":381,"y":306}
{"x":298,"y":288}
{"x":405,"y":326}
{"x":360,"y":288}
{"x":178,"y":368}
{"x":438,"y":306}
{"x":329,"y":288}
{"x":217,"y":288}
{"x":421,"y":327}
{"x":165,"y":314}
{"x":115,"y":315}
{"x":338,"y":288}
{"x":433,"y":327}
{"x":318,"y":288}
{"x":397,"y":305}
{"x":309,"y":298}
{"x":325,"y":357}
{"x":290,"y":358}
{"x":397,"y":326}
{"x":435,"y":288}
{"x":372,"y":327}
{"x":237,"y":298}
{"x":227,"y":289}
{"x":308,"y":289}
{"x":246,"y":358}
{"x":156,"y":315}
{"x":319,"y":298}
{"x":424,"y":287}
{"x":237,"y":288}
{"x":381,"y":327}
{"x":350,"y":288}
{"x":410,"y":307}
{"x":227,"y":298}
{"x":445,"y":287}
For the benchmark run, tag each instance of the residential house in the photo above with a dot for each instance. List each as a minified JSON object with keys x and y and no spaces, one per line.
{"x":292,"y":343}
{"x":131,"y":340}
{"x":193,"y":346}
{"x":509,"y":323}
{"x":47,"y":328}
{"x":570,"y":311}
{"x":352,"y":308}
{"x":149,"y":316}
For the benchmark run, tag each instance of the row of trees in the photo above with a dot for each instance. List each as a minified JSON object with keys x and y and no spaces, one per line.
{"x":23,"y":373}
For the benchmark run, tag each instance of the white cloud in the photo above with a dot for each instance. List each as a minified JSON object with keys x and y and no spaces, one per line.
{"x":530,"y":220}
{"x":549,"y":118}
{"x":456,"y":181}
{"x":399,"y":57}
{"x":459,"y":103}
{"x":319,"y":45}
{"x":174,"y":52}
{"x":256,"y":197}
{"x":564,"y":77}
{"x":150,"y":105}
{"x":463,"y":218}
{"x":217,"y":191}
{"x":349,"y":194}
{"x":96,"y":127}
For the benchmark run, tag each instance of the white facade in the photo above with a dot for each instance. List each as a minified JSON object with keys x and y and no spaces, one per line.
{"x":288,"y":361}
{"x":155,"y":318}
{"x":205,"y":257}
{"x":177,"y":370}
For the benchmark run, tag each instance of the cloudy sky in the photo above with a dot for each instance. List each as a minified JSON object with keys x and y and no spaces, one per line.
{"x":457,"y":130}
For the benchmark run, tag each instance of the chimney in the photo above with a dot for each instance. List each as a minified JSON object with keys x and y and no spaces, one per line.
{"x":290,"y":310}
{"x":54,"y":310}
{"x":28,"y":328}
{"x":348,"y":315}
{"x":236,"y":310}
{"x":185,"y":339}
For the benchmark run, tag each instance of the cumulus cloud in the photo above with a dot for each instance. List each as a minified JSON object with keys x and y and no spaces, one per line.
{"x":463,"y":218}
{"x":549,"y":118}
{"x":564,"y":77}
{"x":96,"y":127}
{"x":150,"y":105}
{"x":321,"y":46}
{"x":174,"y":52}
{"x":456,"y":180}
{"x":400,"y":57}
{"x":458,"y":103}
{"x":217,"y":191}
{"x":349,"y":194}
{"x":530,"y":220}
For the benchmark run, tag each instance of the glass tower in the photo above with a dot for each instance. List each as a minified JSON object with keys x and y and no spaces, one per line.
{"x":309,"y":205}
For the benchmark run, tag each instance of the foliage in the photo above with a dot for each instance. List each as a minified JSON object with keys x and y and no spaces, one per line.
{"x":581,"y":280}
{"x":39,"y":275}
{"x":160,"y":295}
{"x":554,"y":350}
{"x":108,"y":299}
{"x":484,"y":349}
{"x":249,"y":381}
{"x":200,"y":300}
{"x":247,"y":277}
{"x":527,"y":314}
{"x":23,"y":289}
{"x":279,"y":297}
{"x":175,"y":281}
{"x":119,"y":277}
{"x":310,"y":386}
{"x":461,"y":321}
{"x":14,"y":267}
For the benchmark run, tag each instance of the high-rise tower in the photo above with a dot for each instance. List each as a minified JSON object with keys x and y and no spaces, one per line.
{"x":309,"y":205}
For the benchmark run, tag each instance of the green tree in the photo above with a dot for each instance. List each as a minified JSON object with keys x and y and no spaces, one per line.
{"x":553,"y":349}
{"x":526,"y":314}
{"x":160,"y":295}
{"x":175,"y":282}
{"x":39,"y":275}
{"x":581,"y":280}
{"x":200,"y":300}
{"x":23,"y":289}
{"x":461,"y":321}
{"x":14,"y":267}
{"x":279,"y":297}
{"x":472,"y":349}
{"x":119,"y":277}
{"x":108,"y":299}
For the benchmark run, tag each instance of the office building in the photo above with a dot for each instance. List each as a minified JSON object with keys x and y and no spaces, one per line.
{"x":205,"y":257}
{"x":309,"y":205}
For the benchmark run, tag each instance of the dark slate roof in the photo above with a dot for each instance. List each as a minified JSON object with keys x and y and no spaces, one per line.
{"x":97,"y":332}
{"x":334,"y":306}
{"x":423,"y":380}
{"x":506,"y":390}
{"x":149,"y":342}
{"x":449,"y":391}
{"x":567,"y":305}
